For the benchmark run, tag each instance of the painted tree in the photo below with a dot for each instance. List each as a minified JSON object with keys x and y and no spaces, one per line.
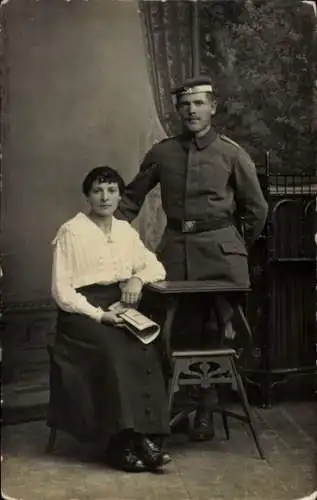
{"x":263,"y":57}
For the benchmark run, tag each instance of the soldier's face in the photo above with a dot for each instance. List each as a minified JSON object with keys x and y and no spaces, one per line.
{"x":196,"y":111}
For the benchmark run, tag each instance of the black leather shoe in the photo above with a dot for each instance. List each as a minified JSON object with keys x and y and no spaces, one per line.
{"x":122,"y":455}
{"x":166,"y":458}
{"x":158,"y":441}
{"x":203,"y":425}
{"x":150,"y":453}
{"x":126,"y":460}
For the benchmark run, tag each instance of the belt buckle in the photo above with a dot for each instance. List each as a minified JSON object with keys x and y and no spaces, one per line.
{"x":188,"y":226}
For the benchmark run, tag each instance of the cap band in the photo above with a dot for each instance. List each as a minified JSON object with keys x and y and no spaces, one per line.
{"x":195,"y":89}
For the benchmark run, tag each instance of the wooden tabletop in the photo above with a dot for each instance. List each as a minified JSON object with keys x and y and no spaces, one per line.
{"x":180,"y":287}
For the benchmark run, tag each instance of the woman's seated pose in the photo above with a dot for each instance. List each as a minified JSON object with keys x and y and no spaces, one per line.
{"x":99,"y":260}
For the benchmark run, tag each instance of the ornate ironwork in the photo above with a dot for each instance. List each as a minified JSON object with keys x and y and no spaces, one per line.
{"x":282,"y":308}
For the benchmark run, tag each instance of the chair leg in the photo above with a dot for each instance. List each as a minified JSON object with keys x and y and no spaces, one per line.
{"x":246,"y":407}
{"x":225,"y":425}
{"x":51,"y":440}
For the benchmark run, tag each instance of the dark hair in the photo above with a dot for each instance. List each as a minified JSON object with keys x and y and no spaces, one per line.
{"x":102,"y":174}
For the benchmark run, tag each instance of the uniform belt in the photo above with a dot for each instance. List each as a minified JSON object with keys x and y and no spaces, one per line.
{"x":197,"y":226}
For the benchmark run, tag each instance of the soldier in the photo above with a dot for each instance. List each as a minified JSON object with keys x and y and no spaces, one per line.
{"x":208,"y":182}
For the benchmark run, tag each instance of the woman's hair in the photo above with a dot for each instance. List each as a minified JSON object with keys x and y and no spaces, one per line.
{"x":102,"y":174}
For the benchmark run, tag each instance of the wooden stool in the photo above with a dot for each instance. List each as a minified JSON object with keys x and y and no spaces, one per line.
{"x":205,"y":367}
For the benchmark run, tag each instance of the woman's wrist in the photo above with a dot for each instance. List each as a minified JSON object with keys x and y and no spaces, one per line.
{"x":99,"y":314}
{"x":138,"y":278}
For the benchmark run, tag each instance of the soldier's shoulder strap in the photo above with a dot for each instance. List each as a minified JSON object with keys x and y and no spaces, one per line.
{"x":230,"y":141}
{"x":162,"y":141}
{"x":247,"y":160}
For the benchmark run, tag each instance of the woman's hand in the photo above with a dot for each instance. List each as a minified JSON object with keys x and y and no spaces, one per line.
{"x":131,"y":291}
{"x":111,"y":318}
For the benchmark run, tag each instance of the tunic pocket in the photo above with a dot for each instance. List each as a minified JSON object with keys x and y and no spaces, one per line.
{"x":233,"y":247}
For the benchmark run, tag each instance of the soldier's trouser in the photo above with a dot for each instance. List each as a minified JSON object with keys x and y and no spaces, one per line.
{"x":196,"y":327}
{"x":195,"y":324}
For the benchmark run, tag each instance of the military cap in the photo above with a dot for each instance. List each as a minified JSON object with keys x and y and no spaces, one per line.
{"x":193,"y":85}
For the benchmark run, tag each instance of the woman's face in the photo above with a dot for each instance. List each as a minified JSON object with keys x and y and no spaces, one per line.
{"x":104,"y":198}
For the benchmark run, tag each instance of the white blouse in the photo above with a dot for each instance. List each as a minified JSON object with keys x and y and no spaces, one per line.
{"x":85,"y":255}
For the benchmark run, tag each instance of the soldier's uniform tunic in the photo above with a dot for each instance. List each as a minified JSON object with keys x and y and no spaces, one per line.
{"x":207,"y":182}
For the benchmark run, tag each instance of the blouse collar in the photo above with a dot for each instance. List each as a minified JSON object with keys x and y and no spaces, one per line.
{"x":113,"y":233}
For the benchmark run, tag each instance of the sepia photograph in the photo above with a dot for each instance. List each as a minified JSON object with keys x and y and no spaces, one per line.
{"x":158,"y":249}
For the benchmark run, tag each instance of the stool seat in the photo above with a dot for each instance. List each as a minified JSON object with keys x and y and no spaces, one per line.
{"x":198,"y":353}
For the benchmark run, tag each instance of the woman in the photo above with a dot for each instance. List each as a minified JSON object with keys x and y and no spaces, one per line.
{"x":99,"y":260}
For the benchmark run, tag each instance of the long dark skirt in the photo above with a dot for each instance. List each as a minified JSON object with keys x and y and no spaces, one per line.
{"x":131,"y":391}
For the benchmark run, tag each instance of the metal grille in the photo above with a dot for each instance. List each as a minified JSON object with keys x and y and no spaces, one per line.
{"x":282,"y":309}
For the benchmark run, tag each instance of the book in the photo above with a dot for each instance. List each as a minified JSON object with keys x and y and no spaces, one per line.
{"x":145,"y":329}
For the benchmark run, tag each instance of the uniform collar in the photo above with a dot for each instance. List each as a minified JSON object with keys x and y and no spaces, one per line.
{"x":203,"y":142}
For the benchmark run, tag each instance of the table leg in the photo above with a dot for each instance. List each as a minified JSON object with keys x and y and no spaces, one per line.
{"x":221,"y":325}
{"x":171,"y":308}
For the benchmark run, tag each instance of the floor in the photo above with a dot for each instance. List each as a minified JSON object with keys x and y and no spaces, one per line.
{"x":219,"y":470}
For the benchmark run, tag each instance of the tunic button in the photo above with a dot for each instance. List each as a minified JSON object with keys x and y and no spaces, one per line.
{"x":147,"y":395}
{"x":147,"y":411}
{"x":144,"y":348}
{"x":148,"y":371}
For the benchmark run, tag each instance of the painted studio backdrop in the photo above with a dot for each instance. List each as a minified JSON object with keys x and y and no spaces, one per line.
{"x":87,"y":83}
{"x":78,"y":95}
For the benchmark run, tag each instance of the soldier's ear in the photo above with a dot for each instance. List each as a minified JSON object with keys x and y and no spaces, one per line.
{"x":213,"y":104}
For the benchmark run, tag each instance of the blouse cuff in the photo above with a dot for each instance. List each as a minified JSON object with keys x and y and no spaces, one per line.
{"x":148,"y":276}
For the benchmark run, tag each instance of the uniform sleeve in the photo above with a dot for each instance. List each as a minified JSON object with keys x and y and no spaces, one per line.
{"x":64,"y":294}
{"x":145,"y":264}
{"x":250,"y":200}
{"x":135,"y":193}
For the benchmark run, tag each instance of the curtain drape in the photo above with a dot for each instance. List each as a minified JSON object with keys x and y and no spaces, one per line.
{"x":167,"y":34}
{"x":167,"y":28}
